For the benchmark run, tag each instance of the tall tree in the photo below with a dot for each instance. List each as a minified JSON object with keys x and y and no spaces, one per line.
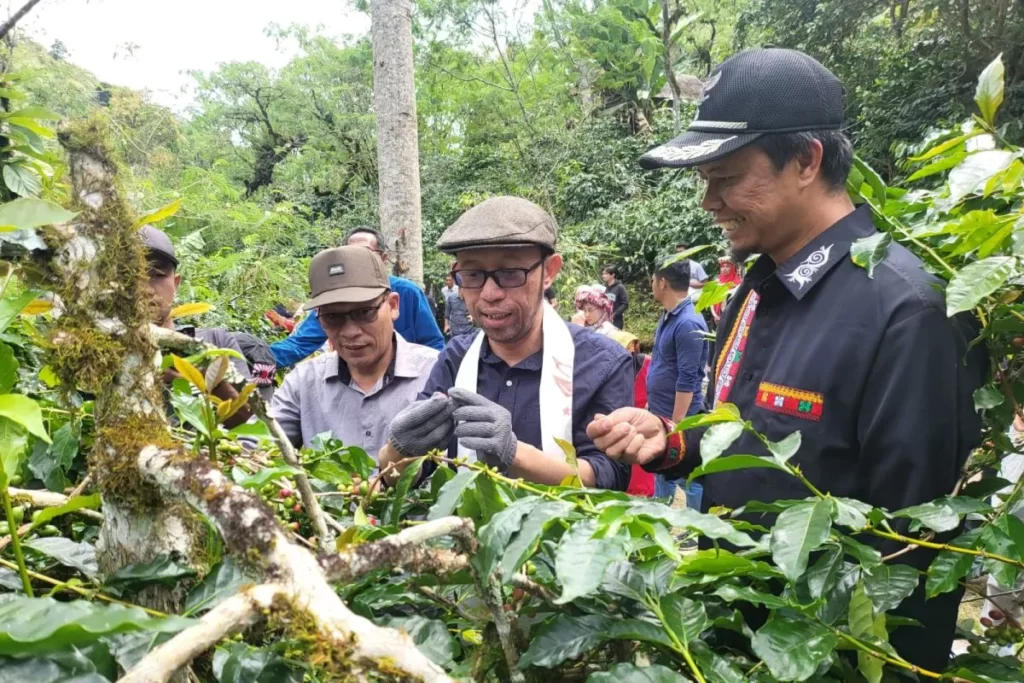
{"x":394,"y":101}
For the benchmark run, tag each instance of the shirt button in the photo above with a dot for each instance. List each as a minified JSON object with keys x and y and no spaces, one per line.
{"x":367,"y":432}
{"x":748,"y":376}
{"x":508,"y":383}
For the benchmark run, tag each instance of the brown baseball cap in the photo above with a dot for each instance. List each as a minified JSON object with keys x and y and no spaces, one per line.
{"x":346,"y":275}
{"x":501,"y":222}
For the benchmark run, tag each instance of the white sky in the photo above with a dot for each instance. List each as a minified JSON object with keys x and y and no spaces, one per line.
{"x":176,"y":36}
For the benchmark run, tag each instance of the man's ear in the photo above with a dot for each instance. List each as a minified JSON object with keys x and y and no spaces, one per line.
{"x":552,"y":267}
{"x":393,"y":305}
{"x":177,"y":281}
{"x":808,"y":165}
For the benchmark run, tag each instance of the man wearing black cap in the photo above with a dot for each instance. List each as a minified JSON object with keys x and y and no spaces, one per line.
{"x":866,"y":366}
{"x":164,"y":279}
{"x":507,"y":394}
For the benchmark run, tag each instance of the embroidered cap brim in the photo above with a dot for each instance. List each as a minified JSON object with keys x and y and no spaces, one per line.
{"x":694,"y":148}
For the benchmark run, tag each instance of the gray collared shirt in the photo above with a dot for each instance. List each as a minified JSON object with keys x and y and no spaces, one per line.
{"x":319,"y":396}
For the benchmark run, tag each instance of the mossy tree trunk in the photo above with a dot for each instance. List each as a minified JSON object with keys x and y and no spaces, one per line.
{"x":101,"y":344}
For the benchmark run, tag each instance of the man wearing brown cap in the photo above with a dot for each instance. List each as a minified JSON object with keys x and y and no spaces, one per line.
{"x":373,"y":373}
{"x":506,"y":394}
{"x":164,"y":279}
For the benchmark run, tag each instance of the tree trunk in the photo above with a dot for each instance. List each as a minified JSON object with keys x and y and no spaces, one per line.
{"x":101,"y":344}
{"x":394,"y":101}
{"x":670,"y":74}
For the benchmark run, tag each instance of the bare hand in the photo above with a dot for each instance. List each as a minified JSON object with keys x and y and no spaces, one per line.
{"x":630,"y":435}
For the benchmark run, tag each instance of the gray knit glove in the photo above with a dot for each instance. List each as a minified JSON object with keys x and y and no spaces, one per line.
{"x":423,"y":426}
{"x":485,"y":427}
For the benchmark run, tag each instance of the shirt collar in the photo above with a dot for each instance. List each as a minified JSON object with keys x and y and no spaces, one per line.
{"x":680,"y":307}
{"x":401,"y":365}
{"x":809,"y":266}
{"x":534,"y":362}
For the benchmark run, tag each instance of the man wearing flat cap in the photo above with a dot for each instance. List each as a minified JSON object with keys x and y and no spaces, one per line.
{"x":504,"y":395}
{"x":373,"y":372}
{"x":865,"y":365}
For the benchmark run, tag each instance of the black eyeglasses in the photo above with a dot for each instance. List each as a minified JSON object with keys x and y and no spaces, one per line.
{"x":360,"y":316}
{"x":506,"y":278}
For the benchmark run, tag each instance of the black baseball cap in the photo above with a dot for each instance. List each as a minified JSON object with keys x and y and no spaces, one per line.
{"x":768,"y":90}
{"x":157,"y":242}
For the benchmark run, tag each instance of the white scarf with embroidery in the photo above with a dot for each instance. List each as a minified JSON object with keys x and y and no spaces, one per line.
{"x":555,"y":383}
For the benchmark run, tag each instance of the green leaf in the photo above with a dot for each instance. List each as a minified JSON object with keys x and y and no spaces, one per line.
{"x":786,"y":448}
{"x":943,"y":164}
{"x":39,"y":624}
{"x":989,"y":93}
{"x":495,"y":535}
{"x":81,"y":556}
{"x":21,"y":180}
{"x":973,"y":174}
{"x":716,"y":669}
{"x":792,"y":646}
{"x":798,"y":531}
{"x":938,"y":518}
{"x":623,"y":579}
{"x":943,"y":147}
{"x":949,"y":567}
{"x":721,"y":562}
{"x":864,"y":623}
{"x":8,"y":368}
{"x":711,"y":293}
{"x":731,"y":593}
{"x":46,"y":515}
{"x":874,"y":181}
{"x":581,"y":560}
{"x":975,"y":281}
{"x":164,"y":569}
{"x":35,"y":113}
{"x":157,"y":215}
{"x":735,"y":462}
{"x":524,"y":543}
{"x":451,"y":494}
{"x":12,"y":447}
{"x":868,"y":252}
{"x":242,"y":663}
{"x":11,"y":306}
{"x":889,"y":584}
{"x":724,"y":412}
{"x":567,"y":637}
{"x":821,"y":578}
{"x":24,"y":411}
{"x":430,"y":635}
{"x":224,"y":580}
{"x":631,"y":673}
{"x":717,"y":438}
{"x":988,"y":397}
{"x":405,"y":481}
{"x":32,"y":125}
{"x":27,"y":213}
{"x":685,"y":617}
{"x":998,"y":542}
{"x":51,"y":464}
{"x":259,"y":479}
{"x":705,"y":524}
{"x":850,"y":513}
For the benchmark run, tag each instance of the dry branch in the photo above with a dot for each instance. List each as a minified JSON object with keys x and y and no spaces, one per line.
{"x":231,"y":616}
{"x":250,"y":530}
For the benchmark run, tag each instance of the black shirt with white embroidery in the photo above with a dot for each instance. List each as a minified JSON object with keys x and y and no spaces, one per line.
{"x":879,"y":382}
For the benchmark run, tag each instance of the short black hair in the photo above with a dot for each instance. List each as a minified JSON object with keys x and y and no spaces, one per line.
{"x":836,"y":153}
{"x":381,"y":244}
{"x":613,"y":269}
{"x":549,"y":293}
{"x":155,"y":259}
{"x":676,"y":273}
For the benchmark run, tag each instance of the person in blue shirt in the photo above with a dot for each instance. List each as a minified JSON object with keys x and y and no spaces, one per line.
{"x":415,"y":322}
{"x":676,"y":375}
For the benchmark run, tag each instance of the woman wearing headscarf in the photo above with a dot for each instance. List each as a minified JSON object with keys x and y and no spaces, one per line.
{"x":596,"y":308}
{"x":730,"y":276}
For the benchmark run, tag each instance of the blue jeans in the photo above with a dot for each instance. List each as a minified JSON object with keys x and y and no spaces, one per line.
{"x":666,"y":488}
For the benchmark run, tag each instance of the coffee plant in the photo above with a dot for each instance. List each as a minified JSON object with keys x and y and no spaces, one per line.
{"x":285,"y":566}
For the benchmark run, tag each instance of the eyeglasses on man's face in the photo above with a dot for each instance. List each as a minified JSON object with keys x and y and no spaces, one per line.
{"x":360,"y":316}
{"x":506,"y":278}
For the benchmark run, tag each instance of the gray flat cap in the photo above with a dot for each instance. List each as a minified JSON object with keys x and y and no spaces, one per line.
{"x":501,"y":222}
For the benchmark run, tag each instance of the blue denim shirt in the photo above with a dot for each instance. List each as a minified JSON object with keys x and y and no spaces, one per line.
{"x":415,"y":323}
{"x":602,"y":380}
{"x":678,"y":361}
